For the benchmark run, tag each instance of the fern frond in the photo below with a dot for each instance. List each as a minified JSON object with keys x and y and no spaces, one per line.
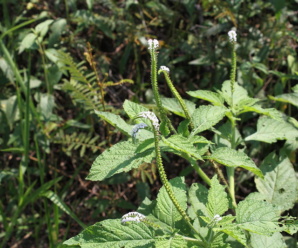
{"x":76,"y":141}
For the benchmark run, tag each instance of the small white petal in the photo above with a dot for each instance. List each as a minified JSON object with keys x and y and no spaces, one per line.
{"x":232,"y":36}
{"x":164,"y":68}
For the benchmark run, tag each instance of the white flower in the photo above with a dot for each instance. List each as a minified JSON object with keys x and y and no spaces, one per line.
{"x":152,"y":117}
{"x":232,"y":36}
{"x":153,"y":44}
{"x":164,"y":68}
{"x":136,"y":129}
{"x":132,"y":217}
{"x":217,"y":217}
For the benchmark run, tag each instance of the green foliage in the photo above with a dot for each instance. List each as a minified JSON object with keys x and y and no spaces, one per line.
{"x":56,"y":111}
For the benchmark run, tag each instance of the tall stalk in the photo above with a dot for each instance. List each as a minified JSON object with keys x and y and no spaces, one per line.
{"x":231,"y":170}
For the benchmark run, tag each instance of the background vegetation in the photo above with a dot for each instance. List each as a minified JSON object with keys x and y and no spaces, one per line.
{"x":62,"y":60}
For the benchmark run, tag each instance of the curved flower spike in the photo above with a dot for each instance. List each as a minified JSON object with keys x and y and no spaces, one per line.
{"x":133,"y":217}
{"x":152,"y":117}
{"x":136,"y":129}
{"x":164,"y":68}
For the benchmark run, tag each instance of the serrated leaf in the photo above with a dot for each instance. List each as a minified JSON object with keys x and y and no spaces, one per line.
{"x":171,"y":242}
{"x":217,"y":199}
{"x":198,"y":197}
{"x":133,"y":109}
{"x":233,"y":231}
{"x":115,"y":121}
{"x":279,"y":184}
{"x":274,"y":241}
{"x":112,"y":234}
{"x":205,"y":117}
{"x":182,"y":144}
{"x":173,"y":105}
{"x":165,"y":209}
{"x":121,"y":157}
{"x":271,"y":112}
{"x":257,"y":216}
{"x":270,"y":130}
{"x":233,"y":158}
{"x":240,"y":96}
{"x":215,"y":98}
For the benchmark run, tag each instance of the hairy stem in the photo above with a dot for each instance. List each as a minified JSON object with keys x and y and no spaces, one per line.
{"x":179,"y":98}
{"x":154,"y":83}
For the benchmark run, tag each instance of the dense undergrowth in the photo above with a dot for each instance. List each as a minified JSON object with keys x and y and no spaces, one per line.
{"x":61,"y":62}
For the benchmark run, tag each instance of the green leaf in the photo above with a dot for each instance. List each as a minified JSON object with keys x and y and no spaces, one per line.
{"x":274,"y":241}
{"x":270,"y":130}
{"x":257,"y":216}
{"x":291,"y":98}
{"x":279,"y":185}
{"x":42,"y":28}
{"x":115,"y":121}
{"x":233,"y":158}
{"x":215,"y":98}
{"x":173,"y":105}
{"x":198,"y":197}
{"x":234,"y":231}
{"x":28,"y":42}
{"x":121,"y":157}
{"x":133,"y":109}
{"x":172,"y":242}
{"x":112,"y":234}
{"x":271,"y":112}
{"x":182,"y":144}
{"x":240,"y":96}
{"x":58,"y":202}
{"x":205,"y":117}
{"x":217,"y":199}
{"x":165,"y":209}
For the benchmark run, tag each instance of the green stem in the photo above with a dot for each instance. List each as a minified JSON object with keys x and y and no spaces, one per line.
{"x":231,"y":170}
{"x":167,"y":185}
{"x":154,"y":83}
{"x":179,"y":98}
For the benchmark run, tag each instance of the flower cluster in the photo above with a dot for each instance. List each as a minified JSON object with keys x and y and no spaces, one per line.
{"x":133,"y":217}
{"x":153,"y":44}
{"x":217,"y":218}
{"x":232,"y":36}
{"x":164,"y":68}
{"x":136,"y":129}
{"x":152,"y":117}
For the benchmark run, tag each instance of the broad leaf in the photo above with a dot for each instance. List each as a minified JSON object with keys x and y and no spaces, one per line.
{"x":115,"y":121}
{"x":133,"y":109}
{"x":270,"y":130}
{"x":279,"y":185}
{"x":205,"y":117}
{"x":111,"y":233}
{"x":240,"y":96}
{"x":171,"y":242}
{"x":234,"y":231}
{"x":182,"y":144}
{"x":198,"y":197}
{"x":213,"y":97}
{"x":121,"y":157}
{"x":233,"y":158}
{"x":257,"y":217}
{"x":217,"y":199}
{"x":173,"y":105}
{"x":271,"y":112}
{"x":119,"y":123}
{"x":274,"y":241}
{"x":165,"y":209}
{"x":291,"y":98}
